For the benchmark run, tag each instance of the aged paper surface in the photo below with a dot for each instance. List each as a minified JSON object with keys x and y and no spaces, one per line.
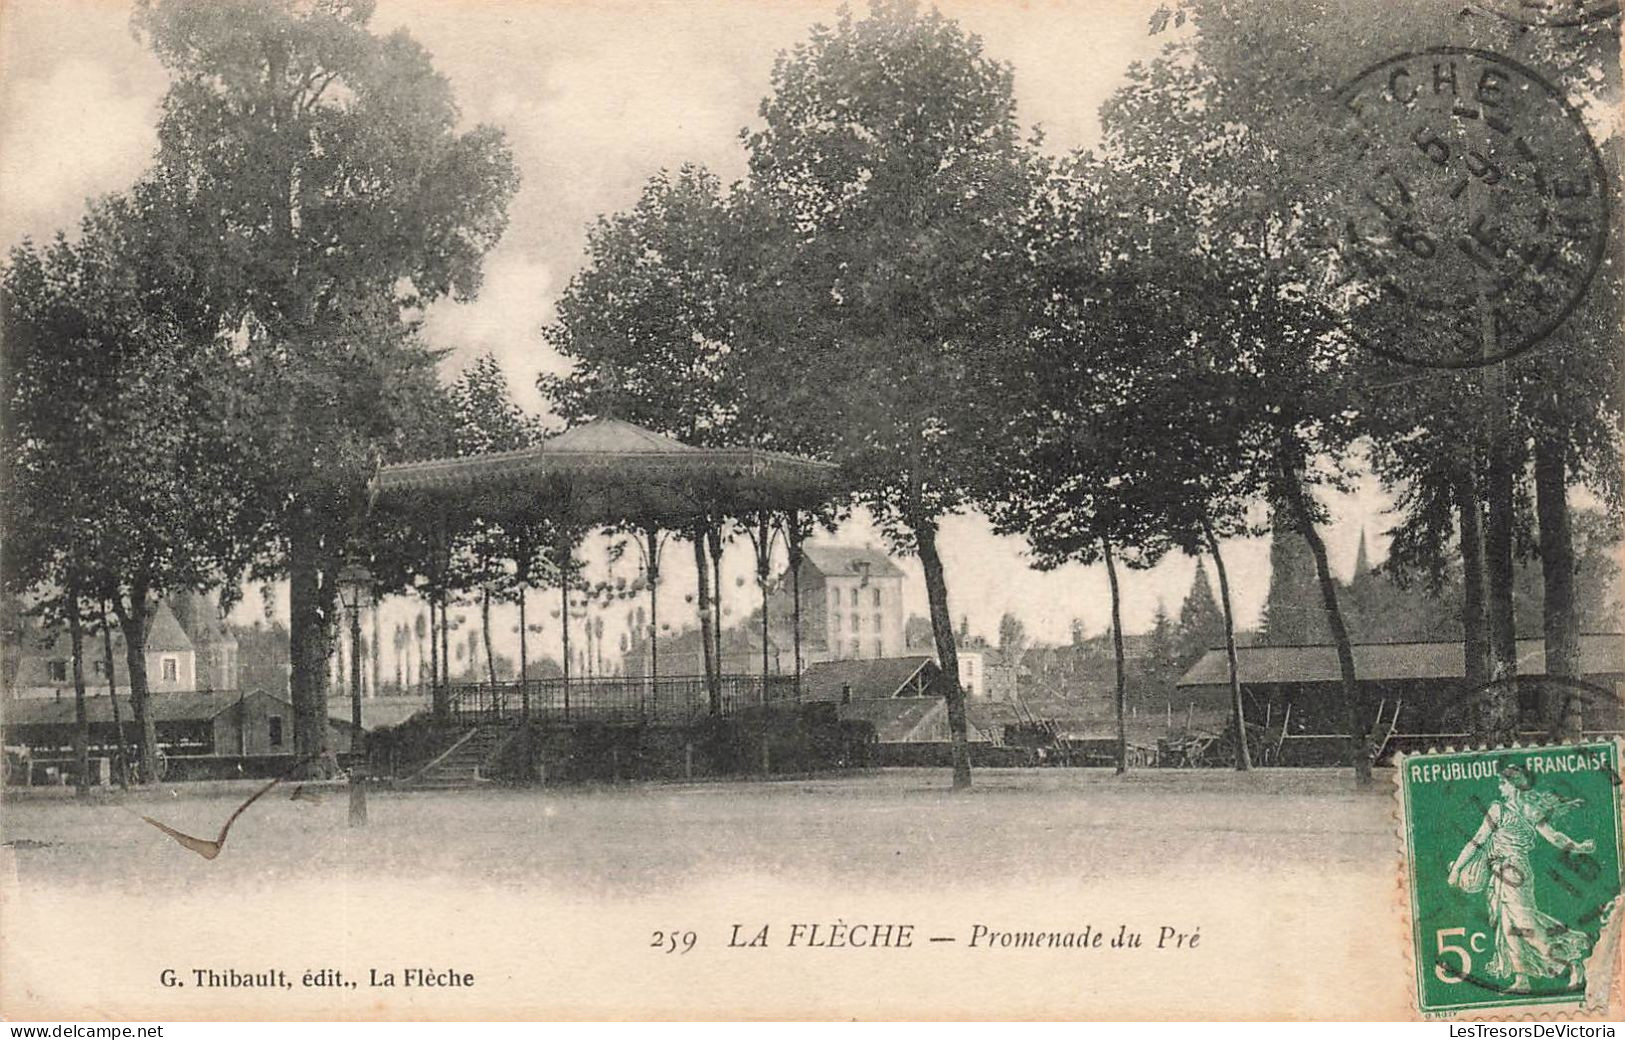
{"x":853,"y":886}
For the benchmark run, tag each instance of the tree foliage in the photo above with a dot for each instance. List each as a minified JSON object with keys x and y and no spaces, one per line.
{"x":329,"y":192}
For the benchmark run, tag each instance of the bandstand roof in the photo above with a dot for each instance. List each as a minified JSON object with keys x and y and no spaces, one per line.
{"x":609,"y":470}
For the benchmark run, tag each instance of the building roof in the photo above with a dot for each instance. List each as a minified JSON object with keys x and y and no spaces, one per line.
{"x":991,"y":716}
{"x":896,"y":719}
{"x":1601,"y":654}
{"x":608,"y":470}
{"x":616,"y":436}
{"x":837,"y":560}
{"x":201,"y":621}
{"x":164,"y":631}
{"x":162,"y":707}
{"x":874,"y":678}
{"x":164,"y":634}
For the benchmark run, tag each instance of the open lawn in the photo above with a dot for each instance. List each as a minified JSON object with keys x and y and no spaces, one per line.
{"x":897,"y":824}
{"x":562,"y":902}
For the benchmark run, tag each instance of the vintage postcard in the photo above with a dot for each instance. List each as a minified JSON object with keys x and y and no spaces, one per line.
{"x":617,"y":509}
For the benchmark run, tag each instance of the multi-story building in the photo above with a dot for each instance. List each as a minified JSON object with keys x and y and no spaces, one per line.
{"x":40,"y":659}
{"x":851,"y":604}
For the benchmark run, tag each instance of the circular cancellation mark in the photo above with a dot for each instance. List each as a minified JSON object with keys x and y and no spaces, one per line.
{"x":1471,"y":208}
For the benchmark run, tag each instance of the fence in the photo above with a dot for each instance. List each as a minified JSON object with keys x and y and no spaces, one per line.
{"x":672,"y":700}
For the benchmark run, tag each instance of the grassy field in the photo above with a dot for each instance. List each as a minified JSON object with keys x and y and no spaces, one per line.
{"x":877,"y":825}
{"x":558,"y":899}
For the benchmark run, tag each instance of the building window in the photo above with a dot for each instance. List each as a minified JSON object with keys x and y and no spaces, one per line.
{"x":856,"y":650}
{"x":101,"y":669}
{"x":171,"y":669}
{"x":837,"y":622}
{"x":878,"y":650}
{"x":854,"y":597}
{"x":877,"y":596}
{"x":59,"y":671}
{"x":877,"y":623}
{"x":274,"y":725}
{"x":834,"y":597}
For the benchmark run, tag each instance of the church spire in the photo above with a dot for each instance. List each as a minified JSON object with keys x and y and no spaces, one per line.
{"x":1362,"y":562}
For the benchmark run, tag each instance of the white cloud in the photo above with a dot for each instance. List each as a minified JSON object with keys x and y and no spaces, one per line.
{"x":506,"y":320}
{"x":74,"y":134}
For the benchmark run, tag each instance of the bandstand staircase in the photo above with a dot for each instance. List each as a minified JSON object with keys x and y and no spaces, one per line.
{"x":462,"y":765}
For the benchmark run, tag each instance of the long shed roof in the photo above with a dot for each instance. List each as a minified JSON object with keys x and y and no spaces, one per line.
{"x":1600,"y":655}
{"x":162,"y":707}
{"x":870,"y":678}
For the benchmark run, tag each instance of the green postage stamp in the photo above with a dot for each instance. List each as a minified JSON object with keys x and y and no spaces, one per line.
{"x":1513,"y":865}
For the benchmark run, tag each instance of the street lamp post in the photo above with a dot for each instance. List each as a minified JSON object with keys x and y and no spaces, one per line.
{"x":355,"y":588}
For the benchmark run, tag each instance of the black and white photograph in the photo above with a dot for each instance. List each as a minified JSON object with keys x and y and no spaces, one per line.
{"x":650,"y":510}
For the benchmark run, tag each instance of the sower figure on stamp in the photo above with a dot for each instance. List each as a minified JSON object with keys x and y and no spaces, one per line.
{"x":1527,"y":941}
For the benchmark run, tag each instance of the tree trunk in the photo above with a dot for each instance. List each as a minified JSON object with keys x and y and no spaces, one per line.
{"x":702,"y":570}
{"x":336,"y":676}
{"x":524,"y":659}
{"x":1360,"y":752}
{"x":1474,"y":623}
{"x":121,"y":762}
{"x":1238,"y":710}
{"x":485,"y":625}
{"x":1501,"y":703}
{"x":1560,"y":620}
{"x":437,"y":697}
{"x":132,"y":618}
{"x":1121,"y":697}
{"x":564,"y":630}
{"x":445,"y":645}
{"x":653,"y":552}
{"x":355,"y":672}
{"x":81,"y":716}
{"x":586,"y":638}
{"x":311,"y":634}
{"x":764,"y":565}
{"x":714,"y":544}
{"x":375,"y":652}
{"x":942,"y":628}
{"x":795,"y":557}
{"x":358,"y":736}
{"x":527,"y":761}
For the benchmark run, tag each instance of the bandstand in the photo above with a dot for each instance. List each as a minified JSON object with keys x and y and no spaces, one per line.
{"x":611,"y":474}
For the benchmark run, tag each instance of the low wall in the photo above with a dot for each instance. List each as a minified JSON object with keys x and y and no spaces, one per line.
{"x":226,"y":767}
{"x":779,"y":739}
{"x":941,"y":753}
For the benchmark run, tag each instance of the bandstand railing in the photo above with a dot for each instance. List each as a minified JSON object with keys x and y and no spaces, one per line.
{"x":672,"y":700}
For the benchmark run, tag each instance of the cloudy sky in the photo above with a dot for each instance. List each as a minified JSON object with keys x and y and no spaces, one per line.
{"x":595,"y":96}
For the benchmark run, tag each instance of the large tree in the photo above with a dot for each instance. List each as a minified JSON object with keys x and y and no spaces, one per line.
{"x":654,"y":326}
{"x":1455,"y":446}
{"x":498,"y":559}
{"x":125,"y":487}
{"x":331,"y":192}
{"x":1257,"y":387}
{"x":891,"y":159}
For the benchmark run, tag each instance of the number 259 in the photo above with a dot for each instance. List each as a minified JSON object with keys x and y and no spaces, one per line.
{"x":673,"y":942}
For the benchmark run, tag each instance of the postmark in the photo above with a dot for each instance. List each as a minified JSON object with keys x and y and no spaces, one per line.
{"x":1550,"y":14}
{"x":1513,"y":871}
{"x":1471,"y":213}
